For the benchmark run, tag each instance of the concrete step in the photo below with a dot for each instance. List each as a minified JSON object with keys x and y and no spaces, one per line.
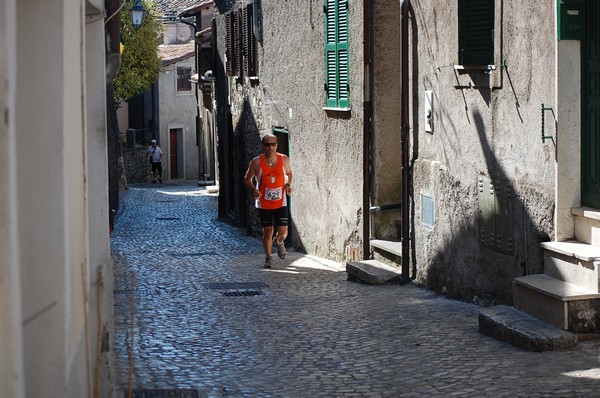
{"x":512,"y":326}
{"x":587,"y":225}
{"x":372,"y":272}
{"x":559,"y":303}
{"x":388,"y":246}
{"x":573,"y":262}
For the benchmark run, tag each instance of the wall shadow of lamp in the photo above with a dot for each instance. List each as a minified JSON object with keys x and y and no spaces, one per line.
{"x":137,"y":12}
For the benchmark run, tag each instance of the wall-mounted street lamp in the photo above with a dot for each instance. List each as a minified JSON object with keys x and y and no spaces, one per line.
{"x":137,"y":14}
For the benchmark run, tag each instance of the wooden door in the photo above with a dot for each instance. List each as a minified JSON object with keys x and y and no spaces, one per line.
{"x":173,"y":154}
{"x":590,"y":139}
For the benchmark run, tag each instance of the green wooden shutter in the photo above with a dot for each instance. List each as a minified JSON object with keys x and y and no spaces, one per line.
{"x":343,"y":55}
{"x":337,"y":71}
{"x":476,"y":32}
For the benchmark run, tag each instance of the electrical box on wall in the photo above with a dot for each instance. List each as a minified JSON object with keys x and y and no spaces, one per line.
{"x":571,"y":20}
{"x":496,"y":227}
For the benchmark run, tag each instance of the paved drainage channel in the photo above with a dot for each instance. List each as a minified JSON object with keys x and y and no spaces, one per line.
{"x":162,"y":394}
{"x":237,"y":289}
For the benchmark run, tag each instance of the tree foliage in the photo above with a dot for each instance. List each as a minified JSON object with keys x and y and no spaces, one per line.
{"x":140,"y":63}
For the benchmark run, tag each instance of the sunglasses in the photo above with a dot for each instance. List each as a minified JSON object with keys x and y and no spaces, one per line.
{"x":269,"y":143}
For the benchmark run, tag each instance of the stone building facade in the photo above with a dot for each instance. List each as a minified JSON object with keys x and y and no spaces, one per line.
{"x":284,"y":94}
{"x":484,"y":91}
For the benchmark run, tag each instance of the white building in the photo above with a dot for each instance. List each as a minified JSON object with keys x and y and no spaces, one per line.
{"x":177,"y":111}
{"x":55,"y":266}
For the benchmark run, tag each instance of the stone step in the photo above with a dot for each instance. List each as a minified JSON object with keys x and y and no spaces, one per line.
{"x":372,"y":272}
{"x":389,"y":246}
{"x":559,"y":303}
{"x":573,"y":262}
{"x":587,"y":225}
{"x":512,"y":326}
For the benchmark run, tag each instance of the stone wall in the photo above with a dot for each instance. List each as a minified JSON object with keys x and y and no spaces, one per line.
{"x":137,"y":167}
{"x":326,"y":149}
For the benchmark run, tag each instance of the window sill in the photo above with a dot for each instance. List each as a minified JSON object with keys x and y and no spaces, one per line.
{"x":478,"y":67}
{"x":325,"y":108}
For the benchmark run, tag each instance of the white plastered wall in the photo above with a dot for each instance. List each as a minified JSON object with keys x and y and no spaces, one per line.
{"x":12,"y":383}
{"x":53,"y":205}
{"x":99,"y":270}
{"x":568,"y":136}
{"x":59,"y":231}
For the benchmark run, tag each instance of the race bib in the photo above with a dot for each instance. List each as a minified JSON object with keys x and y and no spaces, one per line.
{"x":273,"y":193}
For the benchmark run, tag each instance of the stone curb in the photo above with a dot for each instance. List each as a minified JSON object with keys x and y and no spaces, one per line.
{"x":512,"y":326}
{"x":372,"y":272}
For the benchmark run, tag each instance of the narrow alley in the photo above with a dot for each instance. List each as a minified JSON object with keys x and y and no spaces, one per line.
{"x":209,"y":321}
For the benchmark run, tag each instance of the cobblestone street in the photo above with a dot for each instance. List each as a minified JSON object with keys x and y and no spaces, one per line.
{"x":208,"y":317}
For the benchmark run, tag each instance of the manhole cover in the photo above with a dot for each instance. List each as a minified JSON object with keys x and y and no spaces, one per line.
{"x":163,"y":394}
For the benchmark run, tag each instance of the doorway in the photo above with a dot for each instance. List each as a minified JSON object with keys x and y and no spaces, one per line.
{"x":174,"y":151}
{"x":590,"y":134}
{"x":283,"y":147}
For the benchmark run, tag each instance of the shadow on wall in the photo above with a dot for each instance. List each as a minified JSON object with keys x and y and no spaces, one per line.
{"x":458,"y":264}
{"x":248,"y":141}
{"x":473,"y":266}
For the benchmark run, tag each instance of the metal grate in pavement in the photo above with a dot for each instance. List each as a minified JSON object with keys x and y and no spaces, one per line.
{"x":243,"y":293}
{"x":235,"y":285}
{"x":237,"y":289}
{"x":163,"y":394}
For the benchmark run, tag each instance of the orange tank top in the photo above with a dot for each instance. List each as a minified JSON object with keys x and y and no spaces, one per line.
{"x":271,"y":183}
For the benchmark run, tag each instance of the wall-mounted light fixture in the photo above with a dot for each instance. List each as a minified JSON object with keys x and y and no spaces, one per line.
{"x":137,"y":14}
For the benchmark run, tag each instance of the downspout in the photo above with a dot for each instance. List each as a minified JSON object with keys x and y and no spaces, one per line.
{"x":197,"y":95}
{"x":367,"y":126}
{"x":404,"y":138}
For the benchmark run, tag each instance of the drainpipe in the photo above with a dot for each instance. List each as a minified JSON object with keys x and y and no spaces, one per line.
{"x":367,"y":126}
{"x":197,"y":66}
{"x":404,"y":137}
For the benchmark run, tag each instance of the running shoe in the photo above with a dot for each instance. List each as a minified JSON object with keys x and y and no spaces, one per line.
{"x":268,"y":262}
{"x":281,"y":252}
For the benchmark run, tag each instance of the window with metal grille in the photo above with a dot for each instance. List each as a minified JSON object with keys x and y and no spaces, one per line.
{"x":476,"y":32}
{"x":337,"y":71}
{"x":184,"y":74}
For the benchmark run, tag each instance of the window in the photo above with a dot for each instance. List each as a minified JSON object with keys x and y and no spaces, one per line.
{"x":476,"y":32}
{"x":249,"y":47}
{"x":184,"y":74}
{"x":337,"y":78}
{"x":232,"y":44}
{"x":241,"y":42}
